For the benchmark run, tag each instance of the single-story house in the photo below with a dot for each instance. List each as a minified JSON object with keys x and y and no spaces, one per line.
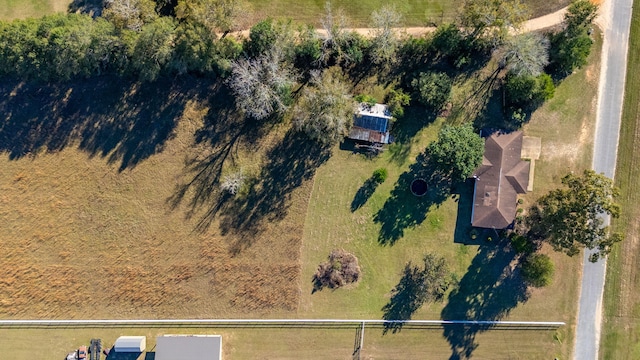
{"x":372,"y":123}
{"x":498,"y":181}
{"x":189,"y":347}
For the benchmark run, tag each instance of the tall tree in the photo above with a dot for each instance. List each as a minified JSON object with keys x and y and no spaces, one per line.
{"x":457,"y":152}
{"x":418,"y":285}
{"x":154,"y":48}
{"x":493,"y":18}
{"x":570,"y":219}
{"x":262,"y":86}
{"x":130,"y":14}
{"x":526,"y":54}
{"x":571,"y":46}
{"x":385,"y":42}
{"x":325,"y":110}
{"x":217,"y":15}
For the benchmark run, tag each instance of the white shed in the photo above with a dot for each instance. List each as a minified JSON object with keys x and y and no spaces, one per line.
{"x":135,"y":344}
{"x":189,"y":347}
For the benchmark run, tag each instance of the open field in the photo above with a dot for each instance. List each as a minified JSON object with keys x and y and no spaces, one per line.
{"x":87,"y":207}
{"x":415,"y":12}
{"x":621,"y":328}
{"x":108,"y":207}
{"x":19,"y":9}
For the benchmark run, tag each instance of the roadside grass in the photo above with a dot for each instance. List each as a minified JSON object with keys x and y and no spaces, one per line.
{"x":621,"y":325}
{"x":20,"y":9}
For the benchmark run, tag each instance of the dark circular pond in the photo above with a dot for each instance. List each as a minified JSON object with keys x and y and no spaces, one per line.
{"x":419,"y":187}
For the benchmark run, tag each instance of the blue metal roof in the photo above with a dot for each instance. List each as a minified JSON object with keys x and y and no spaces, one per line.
{"x":372,"y":123}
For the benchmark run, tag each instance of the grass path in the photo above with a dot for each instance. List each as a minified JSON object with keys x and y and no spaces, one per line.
{"x":621,"y":328}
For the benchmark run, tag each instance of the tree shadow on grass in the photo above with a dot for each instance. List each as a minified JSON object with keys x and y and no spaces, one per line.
{"x":122,"y":121}
{"x":490,"y":289}
{"x":404,"y":301}
{"x":402,"y":209}
{"x":364,"y":193}
{"x":293,"y":161}
{"x":91,"y":7}
{"x":216,"y":141}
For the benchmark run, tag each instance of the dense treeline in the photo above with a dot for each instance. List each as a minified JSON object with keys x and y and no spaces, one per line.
{"x":143,"y":39}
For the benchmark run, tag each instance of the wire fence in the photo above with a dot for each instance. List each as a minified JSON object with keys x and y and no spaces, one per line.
{"x":282,"y":323}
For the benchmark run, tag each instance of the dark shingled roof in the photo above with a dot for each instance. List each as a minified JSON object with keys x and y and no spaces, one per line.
{"x":499,"y":179}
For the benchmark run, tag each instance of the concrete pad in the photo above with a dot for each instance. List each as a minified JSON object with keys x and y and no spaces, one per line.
{"x":531,"y":148}
{"x":532,"y":168}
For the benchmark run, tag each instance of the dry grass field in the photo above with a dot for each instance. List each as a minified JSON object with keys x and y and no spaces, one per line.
{"x":106,"y":202}
{"x":19,"y":9}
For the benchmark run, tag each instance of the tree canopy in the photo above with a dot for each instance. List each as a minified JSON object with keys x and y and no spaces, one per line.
{"x":537,"y":270}
{"x":457,"y":152}
{"x":570,"y":218}
{"x":493,"y":18}
{"x":262,"y":86}
{"x":418,"y":285}
{"x":325,"y":109}
{"x":433,"y":89}
{"x":571,"y":47}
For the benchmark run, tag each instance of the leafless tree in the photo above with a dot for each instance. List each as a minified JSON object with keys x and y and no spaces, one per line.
{"x":262,"y":86}
{"x":526,"y":54}
{"x":233,"y":182}
{"x":129,"y":14}
{"x":385,"y":41}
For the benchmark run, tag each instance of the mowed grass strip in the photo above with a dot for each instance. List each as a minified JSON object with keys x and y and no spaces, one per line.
{"x":275,"y":343}
{"x":621,"y":327}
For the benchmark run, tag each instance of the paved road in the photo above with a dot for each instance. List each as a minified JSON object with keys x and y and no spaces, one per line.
{"x":610,"y":98}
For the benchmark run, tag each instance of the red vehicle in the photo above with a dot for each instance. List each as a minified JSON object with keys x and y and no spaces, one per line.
{"x":82,"y":352}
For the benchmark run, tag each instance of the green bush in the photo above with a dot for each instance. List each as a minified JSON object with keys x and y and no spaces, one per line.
{"x":528,"y":92}
{"x":380,"y":175}
{"x":521,"y":244}
{"x":537,"y":270}
{"x":366,"y":99}
{"x":433,"y":89}
{"x":396,"y":100}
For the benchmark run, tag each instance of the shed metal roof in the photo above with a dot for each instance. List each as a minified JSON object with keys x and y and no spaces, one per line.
{"x":189,"y":347}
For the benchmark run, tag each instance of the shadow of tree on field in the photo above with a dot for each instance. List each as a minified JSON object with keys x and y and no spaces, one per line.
{"x":402,"y":209}
{"x":291,"y":162}
{"x":404,"y":301}
{"x":364,"y":193}
{"x":91,"y":7}
{"x":490,"y":289}
{"x":215,"y":142}
{"x":122,"y":121}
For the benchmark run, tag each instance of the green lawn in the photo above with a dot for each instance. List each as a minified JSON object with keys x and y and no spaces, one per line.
{"x":330,"y":224}
{"x":621,"y":327}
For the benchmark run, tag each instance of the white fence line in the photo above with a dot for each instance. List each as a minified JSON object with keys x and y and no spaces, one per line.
{"x":273,"y":322}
